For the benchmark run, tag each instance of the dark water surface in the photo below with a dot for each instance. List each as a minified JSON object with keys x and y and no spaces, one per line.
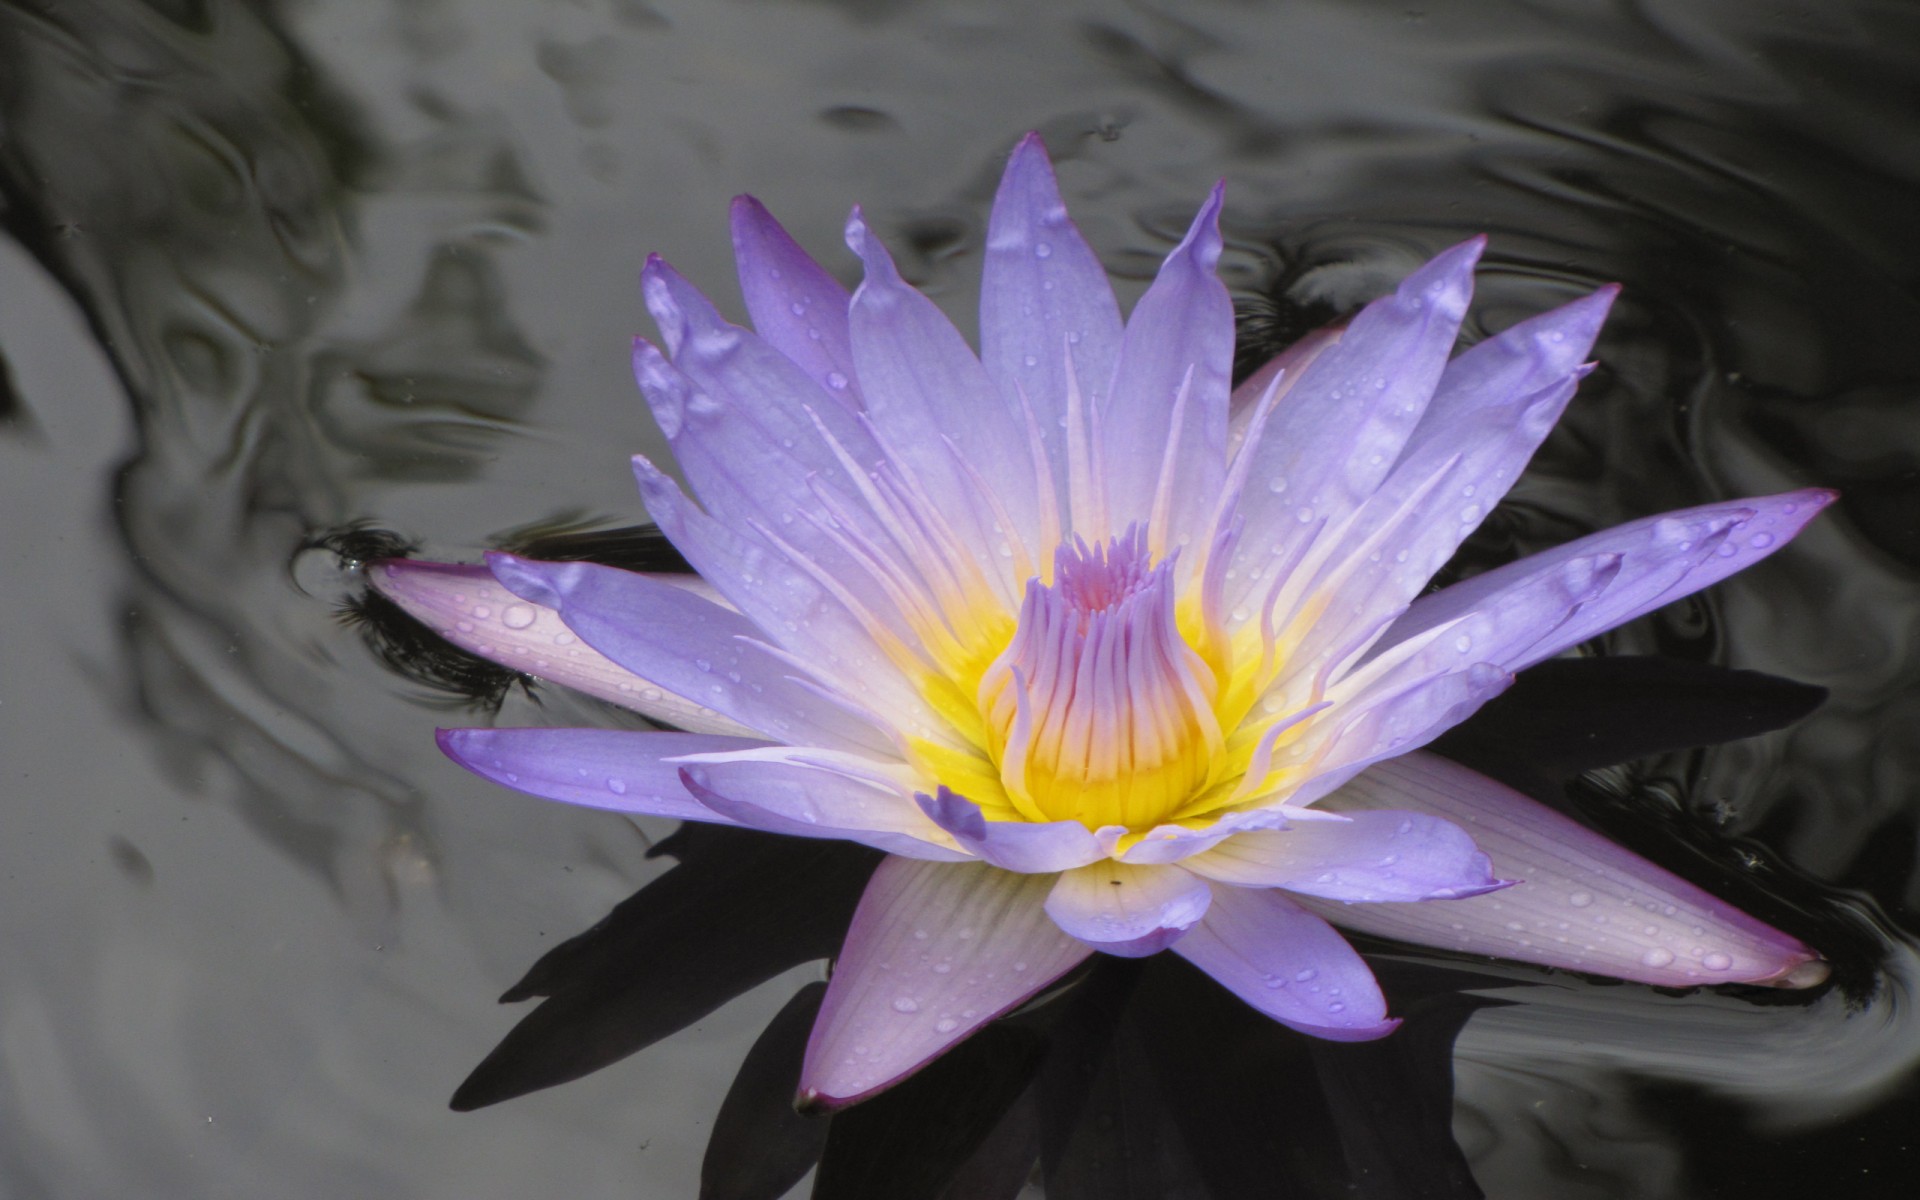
{"x":276,"y":269}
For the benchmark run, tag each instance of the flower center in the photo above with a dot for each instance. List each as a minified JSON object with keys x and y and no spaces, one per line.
{"x":1098,"y":710}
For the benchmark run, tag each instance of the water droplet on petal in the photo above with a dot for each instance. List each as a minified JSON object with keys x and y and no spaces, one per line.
{"x":1717,"y":961}
{"x":1657,"y":957}
{"x":946,"y":1025}
{"x":1580,"y":899}
{"x":517,"y":616}
{"x":617,"y":786}
{"x":1042,"y":250}
{"x":1760,"y":541}
{"x":836,"y":380}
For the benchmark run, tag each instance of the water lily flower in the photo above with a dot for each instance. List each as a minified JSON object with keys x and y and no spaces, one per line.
{"x":1104,"y":654}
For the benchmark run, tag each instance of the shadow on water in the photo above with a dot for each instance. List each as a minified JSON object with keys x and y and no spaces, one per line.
{"x":278,"y":277}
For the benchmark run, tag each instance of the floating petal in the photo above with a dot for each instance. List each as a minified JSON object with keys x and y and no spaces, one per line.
{"x":597,"y":768}
{"x":1289,"y":964}
{"x":1130,"y":911}
{"x":935,"y":951}
{"x":1581,"y":901}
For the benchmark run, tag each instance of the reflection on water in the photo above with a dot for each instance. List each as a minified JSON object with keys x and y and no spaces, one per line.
{"x":278,"y":269}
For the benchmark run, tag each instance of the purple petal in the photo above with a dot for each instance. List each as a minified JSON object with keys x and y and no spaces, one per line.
{"x":1526,"y":358}
{"x":598,"y":768}
{"x":1290,"y":365}
{"x":795,"y":304}
{"x":1289,"y":964}
{"x":1175,"y":843}
{"x":925,"y":388}
{"x":688,"y":645}
{"x":935,"y":952}
{"x":1582,"y":902}
{"x":1494,"y":406}
{"x":1023,"y":846}
{"x":746,"y":424}
{"x":466,"y":606}
{"x":1345,"y":422}
{"x":1504,"y":629}
{"x":1402,"y":722}
{"x":1180,"y":333}
{"x":796,"y":610}
{"x":1043,"y":297}
{"x":1375,"y":856}
{"x":1130,"y":911}
{"x":1663,"y":558}
{"x":781,"y":795}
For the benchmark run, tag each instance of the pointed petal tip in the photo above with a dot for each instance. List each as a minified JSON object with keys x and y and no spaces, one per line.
{"x":1810,"y":973}
{"x":855,"y":230}
{"x":1203,"y":242}
{"x":811,"y":1103}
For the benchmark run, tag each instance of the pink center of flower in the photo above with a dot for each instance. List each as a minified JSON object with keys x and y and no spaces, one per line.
{"x":1099,"y":711}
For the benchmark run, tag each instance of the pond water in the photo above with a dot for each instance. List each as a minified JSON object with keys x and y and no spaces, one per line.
{"x":275,"y":271}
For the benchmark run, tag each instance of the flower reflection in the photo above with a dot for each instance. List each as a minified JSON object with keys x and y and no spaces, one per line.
{"x":1103,"y":655}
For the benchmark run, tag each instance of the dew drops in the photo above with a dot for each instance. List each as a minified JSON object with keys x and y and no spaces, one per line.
{"x":836,"y":381}
{"x":517,"y":616}
{"x":1659,"y":956}
{"x":1470,"y":513}
{"x":1042,"y":250}
{"x":1717,"y":961}
{"x":617,"y":786}
{"x":905,"y":1004}
{"x":1463,"y":643}
{"x":1580,"y":899}
{"x":564,"y":639}
{"x":1760,"y":541}
{"x":1031,"y":360}
{"x":919,"y":935}
{"x":1303,"y":975}
{"x":464,"y":626}
{"x":946,"y":1025}
{"x":1336,"y":1006}
{"x":1277,"y":484}
{"x":797,"y":308}
{"x":1727,"y":550}
{"x":1304,"y":515}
